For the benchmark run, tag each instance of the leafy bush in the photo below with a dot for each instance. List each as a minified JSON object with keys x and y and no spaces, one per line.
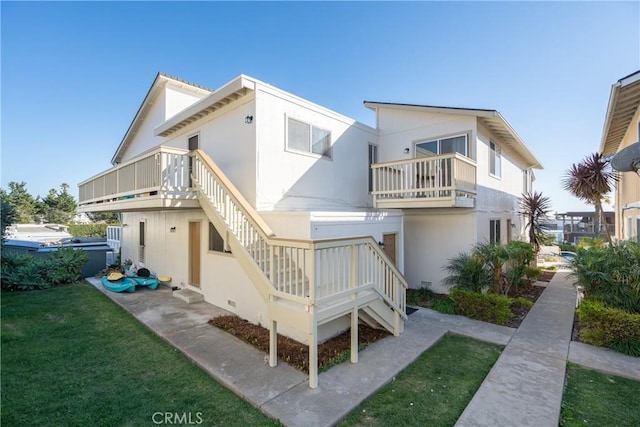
{"x":611,"y":275}
{"x":419,"y":297}
{"x":468,"y":272}
{"x":486,"y":307}
{"x":88,"y":230}
{"x":443,"y":305}
{"x":490,"y":265}
{"x":25,"y":272}
{"x":609,"y":327}
{"x":532,"y":273}
{"x":567,"y":247}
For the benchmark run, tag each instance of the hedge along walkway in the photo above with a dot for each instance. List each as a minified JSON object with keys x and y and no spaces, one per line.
{"x":525,"y":386}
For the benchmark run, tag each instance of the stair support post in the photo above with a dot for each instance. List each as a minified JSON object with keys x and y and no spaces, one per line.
{"x":273,"y":341}
{"x":354,"y":335}
{"x":313,"y":348}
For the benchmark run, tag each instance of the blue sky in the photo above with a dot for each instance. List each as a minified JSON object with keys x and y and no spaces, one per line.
{"x":74,"y":74}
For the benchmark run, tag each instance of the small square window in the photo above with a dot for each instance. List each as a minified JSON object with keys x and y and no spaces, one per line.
{"x":216,"y":242}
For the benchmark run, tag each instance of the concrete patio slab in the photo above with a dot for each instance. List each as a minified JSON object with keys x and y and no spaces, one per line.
{"x":345,"y":386}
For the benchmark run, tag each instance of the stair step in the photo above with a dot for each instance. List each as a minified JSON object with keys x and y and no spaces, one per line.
{"x":188,"y":296}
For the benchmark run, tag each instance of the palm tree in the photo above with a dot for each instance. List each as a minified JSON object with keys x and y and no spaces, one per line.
{"x":590,"y":181}
{"x":535,"y":210}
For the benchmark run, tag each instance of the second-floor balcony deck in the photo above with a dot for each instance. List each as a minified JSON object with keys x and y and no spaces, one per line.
{"x":156,"y":179}
{"x":443,"y":181}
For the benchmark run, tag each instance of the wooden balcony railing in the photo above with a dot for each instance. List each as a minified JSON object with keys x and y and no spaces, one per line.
{"x":448,"y":180}
{"x":162,"y":172}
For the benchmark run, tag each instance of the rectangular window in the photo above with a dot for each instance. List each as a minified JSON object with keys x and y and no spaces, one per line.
{"x":494,"y":231}
{"x":307,"y":138}
{"x":141,"y":246}
{"x":216,"y":242}
{"x":373,"y":158}
{"x":495,"y":160}
{"x":454,"y":144}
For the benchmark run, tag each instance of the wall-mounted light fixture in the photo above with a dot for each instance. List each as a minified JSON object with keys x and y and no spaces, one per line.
{"x":407,"y":150}
{"x":125,"y":225}
{"x":248,"y":119}
{"x":172,"y":230}
{"x":513,"y":225}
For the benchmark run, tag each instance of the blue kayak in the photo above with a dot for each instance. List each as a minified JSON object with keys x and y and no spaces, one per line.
{"x":125,"y":284}
{"x":150,"y":282}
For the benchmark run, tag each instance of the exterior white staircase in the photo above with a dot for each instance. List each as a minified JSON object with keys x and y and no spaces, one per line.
{"x":305,"y":283}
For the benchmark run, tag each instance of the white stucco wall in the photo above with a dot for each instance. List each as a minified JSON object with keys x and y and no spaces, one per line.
{"x":177,"y":99}
{"x":400,"y":129}
{"x":168,"y":102}
{"x":432,"y":237}
{"x":290,"y":180}
{"x":144,"y":139}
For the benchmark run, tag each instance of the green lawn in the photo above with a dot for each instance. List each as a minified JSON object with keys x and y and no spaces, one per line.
{"x":70,"y":356}
{"x":434,"y":390}
{"x":596,"y":399}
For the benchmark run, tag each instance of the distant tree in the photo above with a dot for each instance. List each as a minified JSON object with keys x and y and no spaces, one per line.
{"x":8,"y":215}
{"x":590,"y":181}
{"x":534,"y":207}
{"x":107,"y":217}
{"x":59,"y":207}
{"x":23,"y":203}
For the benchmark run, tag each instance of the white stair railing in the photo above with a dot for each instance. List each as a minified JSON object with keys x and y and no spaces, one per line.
{"x":304,"y":270}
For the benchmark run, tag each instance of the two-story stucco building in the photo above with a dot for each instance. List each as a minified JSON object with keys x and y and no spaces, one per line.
{"x":621,"y":130}
{"x":298,"y":218}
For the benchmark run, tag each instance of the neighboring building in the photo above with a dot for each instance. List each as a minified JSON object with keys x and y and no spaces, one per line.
{"x":205,"y":181}
{"x":621,"y":129}
{"x":43,"y":233}
{"x":576,"y":225}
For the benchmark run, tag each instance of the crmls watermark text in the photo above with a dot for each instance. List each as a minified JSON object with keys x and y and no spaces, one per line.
{"x":177,"y":418}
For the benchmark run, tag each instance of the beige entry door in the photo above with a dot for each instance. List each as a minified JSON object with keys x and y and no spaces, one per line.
{"x":389,"y":242}
{"x":194,"y":253}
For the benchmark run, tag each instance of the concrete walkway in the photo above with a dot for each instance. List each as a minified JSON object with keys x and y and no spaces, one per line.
{"x":523,"y":388}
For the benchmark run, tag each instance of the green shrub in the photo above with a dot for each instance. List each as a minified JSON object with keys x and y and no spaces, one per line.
{"x":88,"y":230}
{"x":567,"y":247}
{"x":521,"y":301}
{"x":490,"y":265}
{"x":468,"y":272}
{"x":611,"y":275}
{"x":23,"y":272}
{"x":609,"y":327}
{"x":486,"y":307}
{"x":532,"y":273}
{"x":443,"y":305}
{"x":419,"y":297}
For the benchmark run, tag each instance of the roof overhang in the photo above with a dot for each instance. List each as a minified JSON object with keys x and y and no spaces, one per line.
{"x":624,"y":102}
{"x":491,"y":119}
{"x":157,"y":86}
{"x":222,"y":97}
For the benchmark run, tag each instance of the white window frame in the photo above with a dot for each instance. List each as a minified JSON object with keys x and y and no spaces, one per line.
{"x":439,"y":140}
{"x":495,"y":228}
{"x":309,"y":152}
{"x":372,"y":158}
{"x":495,"y":157}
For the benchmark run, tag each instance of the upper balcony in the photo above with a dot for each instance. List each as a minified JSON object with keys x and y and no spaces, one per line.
{"x":444,"y":181}
{"x":156,"y":179}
